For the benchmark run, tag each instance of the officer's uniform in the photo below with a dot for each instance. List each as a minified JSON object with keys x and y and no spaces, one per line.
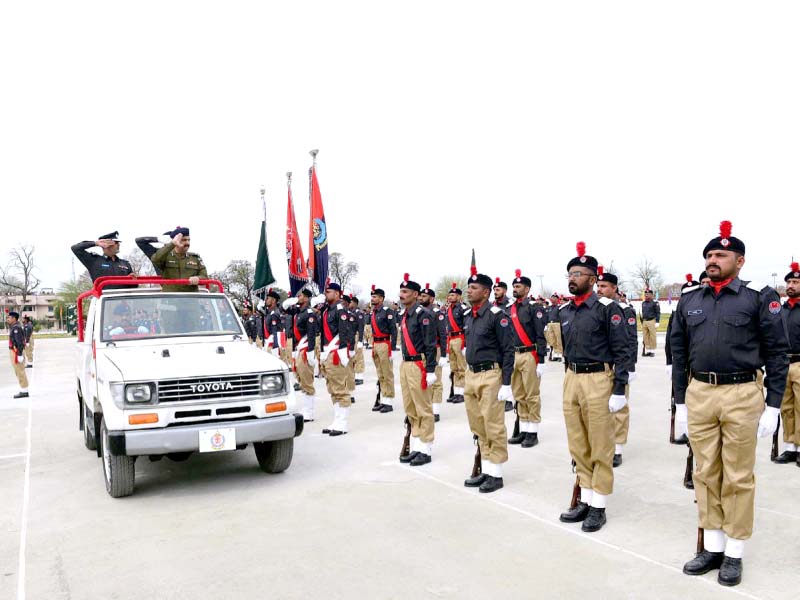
{"x":16,"y":350}
{"x":456,"y":342}
{"x":273,"y":327}
{"x":790,"y":406}
{"x":336,"y":337}
{"x":419,"y":360}
{"x":530,"y":348}
{"x":100,"y":265}
{"x":253,"y":327}
{"x":303,"y":332}
{"x":351,"y":349}
{"x":384,"y":338}
{"x":554,"y":329}
{"x":596,"y":358}
{"x":27,"y":327}
{"x":358,"y":354}
{"x":622,"y":418}
{"x":722,"y":334}
{"x":651,"y":317}
{"x":440,"y":343}
{"x":171,"y":265}
{"x":490,"y":364}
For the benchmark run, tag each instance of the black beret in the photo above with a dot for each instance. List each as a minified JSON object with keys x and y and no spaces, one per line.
{"x":702,"y":276}
{"x":455,"y":290}
{"x":690,"y":282}
{"x":176,"y":231}
{"x":500,"y":284}
{"x":376,"y":291}
{"x":725,"y":241}
{"x":583,"y":259}
{"x":409,"y":285}
{"x":609,"y":277}
{"x":332,"y":285}
{"x":273,"y":294}
{"x":480,"y":278}
{"x":307,"y":293}
{"x":794,"y":273}
{"x":13,"y":313}
{"x":428,"y":290}
{"x":520,"y":278}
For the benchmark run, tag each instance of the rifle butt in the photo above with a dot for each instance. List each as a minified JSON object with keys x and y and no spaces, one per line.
{"x":476,"y":464}
{"x":406,"y":448}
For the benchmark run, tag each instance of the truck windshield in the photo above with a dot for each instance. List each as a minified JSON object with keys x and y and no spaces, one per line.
{"x":131,"y":317}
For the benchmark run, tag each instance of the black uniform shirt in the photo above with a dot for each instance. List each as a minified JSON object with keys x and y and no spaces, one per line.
{"x":630,"y":320}
{"x":488,"y":338}
{"x":552,"y":314}
{"x":651,"y":310}
{"x":303,"y":323}
{"x":335,"y":322}
{"x":454,"y":314}
{"x":252,"y":327}
{"x":273,"y":324}
{"x":385,"y":320}
{"x":28,"y":329}
{"x":440,"y":329}
{"x":531,"y":317}
{"x":791,"y":321}
{"x":419,"y":324}
{"x":594,"y":332}
{"x":100,"y":265}
{"x":16,"y":339}
{"x":739,"y":330}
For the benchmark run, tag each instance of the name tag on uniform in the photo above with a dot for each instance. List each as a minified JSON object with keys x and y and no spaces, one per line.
{"x":698,"y":311}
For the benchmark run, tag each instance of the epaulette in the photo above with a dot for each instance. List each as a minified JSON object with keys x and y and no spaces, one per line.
{"x":465,"y":306}
{"x":311,"y":310}
{"x":691,"y":289}
{"x":436,"y":309}
{"x":383,"y":308}
{"x":623,"y":305}
{"x":340,"y":306}
{"x":563,"y":305}
{"x":605,"y":301}
{"x":401,"y":311}
{"x":756,"y":286}
{"x":419,"y":310}
{"x":496,"y":309}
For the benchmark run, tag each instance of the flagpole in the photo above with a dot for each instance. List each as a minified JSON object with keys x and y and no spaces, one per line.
{"x":264,"y":202}
{"x":311,"y":270}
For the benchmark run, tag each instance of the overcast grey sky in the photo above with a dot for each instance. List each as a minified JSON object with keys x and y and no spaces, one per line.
{"x":517,"y":128}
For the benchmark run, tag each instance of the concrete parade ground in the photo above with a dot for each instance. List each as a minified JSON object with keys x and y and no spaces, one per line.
{"x":347,"y":520}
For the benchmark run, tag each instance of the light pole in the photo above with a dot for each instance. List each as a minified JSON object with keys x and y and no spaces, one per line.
{"x":774,"y":281}
{"x":541,"y":284}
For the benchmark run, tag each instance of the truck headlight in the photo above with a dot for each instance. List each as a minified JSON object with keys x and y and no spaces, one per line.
{"x":271,"y":384}
{"x":138,"y":392}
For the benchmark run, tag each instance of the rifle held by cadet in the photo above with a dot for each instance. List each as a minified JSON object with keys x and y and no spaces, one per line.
{"x":378,"y":396}
{"x":477,"y":469}
{"x":773,"y":455}
{"x":404,"y":451}
{"x":516,"y":421}
{"x":688,"y":482}
{"x":576,"y":490}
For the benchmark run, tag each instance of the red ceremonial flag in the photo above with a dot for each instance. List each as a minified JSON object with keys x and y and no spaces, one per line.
{"x":298,"y":273}
{"x":318,"y":234}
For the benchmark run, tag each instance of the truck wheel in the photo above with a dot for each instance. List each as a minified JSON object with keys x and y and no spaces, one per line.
{"x":88,"y":437}
{"x":274,"y":457}
{"x":118,"y":471}
{"x":179,"y":456}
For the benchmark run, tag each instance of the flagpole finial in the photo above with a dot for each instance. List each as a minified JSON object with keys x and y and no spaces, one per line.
{"x":289,"y":177}
{"x":263,"y":191}
{"x":313,"y":154}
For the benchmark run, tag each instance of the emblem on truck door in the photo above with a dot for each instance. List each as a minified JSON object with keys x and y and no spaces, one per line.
{"x":216,"y":386}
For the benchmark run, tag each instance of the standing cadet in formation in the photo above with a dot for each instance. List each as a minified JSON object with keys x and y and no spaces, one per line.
{"x":490,"y":364}
{"x":335,"y":340}
{"x":426,"y":298}
{"x":358,"y":357}
{"x":16,"y":352}
{"x":352,"y":320}
{"x":106,"y":264}
{"x":554,"y":329}
{"x":596,"y":359}
{"x":303,"y":332}
{"x":530,"y":348}
{"x":27,"y":327}
{"x":384,"y":338}
{"x":273,"y":322}
{"x":456,"y":342}
{"x":500,"y":290}
{"x":651,"y":317}
{"x":253,"y":327}
{"x":607,"y":288}
{"x":174,"y":261}
{"x":790,"y":406}
{"x":417,"y":371}
{"x":722,"y":334}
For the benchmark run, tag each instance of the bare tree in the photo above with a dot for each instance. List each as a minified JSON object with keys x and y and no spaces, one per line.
{"x":140,"y":263}
{"x":341,"y":271}
{"x":238,"y":278}
{"x":445,"y":284}
{"x":647,"y":274}
{"x":18,"y":275}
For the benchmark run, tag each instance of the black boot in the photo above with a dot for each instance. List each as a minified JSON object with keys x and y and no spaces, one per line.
{"x":296,"y":387}
{"x":359,"y":382}
{"x":683,"y":440}
{"x":376,"y":407}
{"x":509,"y":406}
{"x":21,"y":395}
{"x":595,"y":519}
{"x":435,"y":418}
{"x":575,"y":515}
{"x":704,"y":562}
{"x":29,"y":366}
{"x":458,"y":399}
{"x":788,"y":456}
{"x":336,"y":432}
{"x":517,"y":439}
{"x":386,"y":408}
{"x":420,"y":459}
{"x":531,"y":439}
{"x":407,"y":458}
{"x":730,"y":573}
{"x":617,"y":460}
{"x":491,"y":484}
{"x":475,"y":481}
{"x":352,"y":399}
{"x":688,"y":483}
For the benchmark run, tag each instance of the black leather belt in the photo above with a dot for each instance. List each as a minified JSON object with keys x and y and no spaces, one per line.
{"x":484,"y":366}
{"x":586,"y":367}
{"x":415,"y":358}
{"x":524,"y":349}
{"x":793,"y":358}
{"x":725,"y":378}
{"x":455,"y":333}
{"x":381,"y":339}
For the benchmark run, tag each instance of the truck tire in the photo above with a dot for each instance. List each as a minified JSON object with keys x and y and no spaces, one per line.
{"x":118,"y":471}
{"x":276,"y":456}
{"x":88,"y":438}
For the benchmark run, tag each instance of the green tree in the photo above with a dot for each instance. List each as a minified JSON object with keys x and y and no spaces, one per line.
{"x":68,"y":293}
{"x":445,"y":283}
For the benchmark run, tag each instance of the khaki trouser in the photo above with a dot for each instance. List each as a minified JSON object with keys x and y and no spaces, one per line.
{"x":368,"y":334}
{"x":358,"y":359}
{"x":458,"y":364}
{"x":305,"y":374}
{"x":351,"y":374}
{"x":590,"y":427}
{"x":336,"y":381}
{"x":554,"y":329}
{"x":790,"y":407}
{"x":286,"y":352}
{"x":28,"y":352}
{"x":525,"y":387}
{"x":259,"y":343}
{"x":19,"y":370}
{"x":416,"y":402}
{"x":723,"y":421}
{"x":437,"y":389}
{"x":383,"y":366}
{"x":622,"y":421}
{"x":649,"y":334}
{"x":486,"y":414}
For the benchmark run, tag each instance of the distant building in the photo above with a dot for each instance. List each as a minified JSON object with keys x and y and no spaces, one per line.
{"x":40,"y":307}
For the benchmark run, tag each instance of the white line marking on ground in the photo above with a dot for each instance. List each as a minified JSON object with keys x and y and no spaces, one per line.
{"x":12,"y":455}
{"x":573,"y":531}
{"x":23,"y":528}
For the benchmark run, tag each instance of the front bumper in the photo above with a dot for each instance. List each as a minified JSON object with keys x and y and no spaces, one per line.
{"x":186,"y":438}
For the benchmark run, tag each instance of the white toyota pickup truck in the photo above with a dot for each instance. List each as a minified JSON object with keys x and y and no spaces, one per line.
{"x":171,"y":373}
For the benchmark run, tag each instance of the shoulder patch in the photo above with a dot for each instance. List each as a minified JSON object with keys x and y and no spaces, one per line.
{"x":441,"y":317}
{"x":496,"y":309}
{"x":757,"y":286}
{"x":605,"y":301}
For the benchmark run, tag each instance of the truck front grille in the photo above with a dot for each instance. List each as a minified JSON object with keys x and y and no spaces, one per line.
{"x":209,"y":388}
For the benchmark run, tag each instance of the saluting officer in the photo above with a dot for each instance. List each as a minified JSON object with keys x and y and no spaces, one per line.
{"x":722,"y":334}
{"x":456,"y":341}
{"x":335,"y":339}
{"x":490,"y":364}
{"x":596,"y":360}
{"x":530,"y":348}
{"x":426,"y":298}
{"x":417,"y":371}
{"x":174,"y":261}
{"x":790,"y":406}
{"x":16,"y":352}
{"x":384,"y":338}
{"x":651,"y":317}
{"x":106,"y":264}
{"x":303,"y":332}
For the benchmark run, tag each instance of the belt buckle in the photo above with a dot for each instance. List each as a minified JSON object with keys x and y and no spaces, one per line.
{"x":712,"y":378}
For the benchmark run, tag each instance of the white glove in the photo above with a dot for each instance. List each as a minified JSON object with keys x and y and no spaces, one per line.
{"x":504,"y":393}
{"x":323,"y":355}
{"x":631,"y":376}
{"x":430,"y":378}
{"x":540,"y":369}
{"x":311,"y":359}
{"x":295,"y":354}
{"x":289,"y":302}
{"x":260,"y":305}
{"x":616,"y":402}
{"x":364,"y":344}
{"x":681,"y":417}
{"x":546,"y":326}
{"x":463,"y":352}
{"x":443,"y":361}
{"x":318,"y":300}
{"x":343,"y":356}
{"x":20,"y":358}
{"x":768,"y":422}
{"x":668,"y":371}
